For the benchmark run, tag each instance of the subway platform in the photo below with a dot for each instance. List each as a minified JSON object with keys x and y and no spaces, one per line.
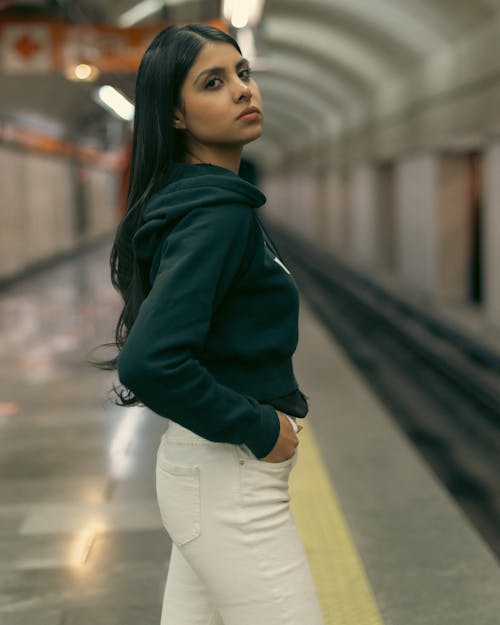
{"x":81,"y":539}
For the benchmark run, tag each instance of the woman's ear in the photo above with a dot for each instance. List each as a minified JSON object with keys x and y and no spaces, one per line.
{"x":179,"y":123}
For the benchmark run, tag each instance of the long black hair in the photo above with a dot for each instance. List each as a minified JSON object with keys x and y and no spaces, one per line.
{"x":156,"y":145}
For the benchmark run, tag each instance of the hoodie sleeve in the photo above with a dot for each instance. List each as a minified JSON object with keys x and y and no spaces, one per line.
{"x":200,"y":259}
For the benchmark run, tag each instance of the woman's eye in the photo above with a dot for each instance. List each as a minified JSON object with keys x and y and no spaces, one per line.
{"x":246,"y":73}
{"x":211,"y":83}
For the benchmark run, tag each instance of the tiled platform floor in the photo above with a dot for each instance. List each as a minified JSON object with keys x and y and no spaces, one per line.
{"x":80,"y":534}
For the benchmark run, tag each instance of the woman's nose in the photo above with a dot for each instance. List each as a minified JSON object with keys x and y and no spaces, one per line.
{"x":243,"y":92}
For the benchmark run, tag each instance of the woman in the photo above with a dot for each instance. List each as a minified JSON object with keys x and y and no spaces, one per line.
{"x":206,"y":336}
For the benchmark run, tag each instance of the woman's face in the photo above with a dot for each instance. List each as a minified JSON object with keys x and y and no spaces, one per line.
{"x":217,"y":89}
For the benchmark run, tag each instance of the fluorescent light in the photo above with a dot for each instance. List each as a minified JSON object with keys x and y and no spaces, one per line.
{"x":246,"y":40}
{"x":115,"y":102}
{"x":242,"y":13}
{"x":144,"y":9}
{"x":139,"y":12}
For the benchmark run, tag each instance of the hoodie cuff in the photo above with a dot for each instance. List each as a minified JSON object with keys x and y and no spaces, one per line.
{"x":268,"y":433}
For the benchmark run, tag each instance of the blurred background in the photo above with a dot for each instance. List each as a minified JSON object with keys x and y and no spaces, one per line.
{"x":380,"y":162}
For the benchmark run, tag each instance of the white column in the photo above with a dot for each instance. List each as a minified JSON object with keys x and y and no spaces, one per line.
{"x":416,"y":181}
{"x":322,"y":225}
{"x":363,"y":216}
{"x":337,"y":198}
{"x":432,"y":225}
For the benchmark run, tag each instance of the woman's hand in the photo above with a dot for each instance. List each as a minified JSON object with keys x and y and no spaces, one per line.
{"x":286,"y":443}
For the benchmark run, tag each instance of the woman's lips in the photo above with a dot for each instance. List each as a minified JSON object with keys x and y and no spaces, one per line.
{"x":250,"y":117}
{"x":251,"y":113}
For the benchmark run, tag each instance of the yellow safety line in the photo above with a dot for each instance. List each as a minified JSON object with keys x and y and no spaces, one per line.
{"x":343,"y":589}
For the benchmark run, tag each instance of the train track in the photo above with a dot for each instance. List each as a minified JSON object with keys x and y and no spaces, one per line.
{"x":442,"y":388}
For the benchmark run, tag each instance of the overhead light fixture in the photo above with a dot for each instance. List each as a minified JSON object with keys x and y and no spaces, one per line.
{"x":144,"y":9}
{"x":82,"y":72}
{"x":243,"y":13}
{"x":115,"y":102}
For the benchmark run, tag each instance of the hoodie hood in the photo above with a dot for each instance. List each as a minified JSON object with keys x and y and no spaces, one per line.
{"x":189,"y":186}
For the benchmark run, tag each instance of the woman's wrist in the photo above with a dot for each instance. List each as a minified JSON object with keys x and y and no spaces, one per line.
{"x":293,"y":422}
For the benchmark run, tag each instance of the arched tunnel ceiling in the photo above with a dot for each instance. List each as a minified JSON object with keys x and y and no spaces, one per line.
{"x":382,"y":22}
{"x":312,"y":73}
{"x":307,"y":57}
{"x":350,"y":48}
{"x":360,"y":58}
{"x":451,"y":17}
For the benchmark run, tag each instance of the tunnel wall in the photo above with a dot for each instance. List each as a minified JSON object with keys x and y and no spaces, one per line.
{"x":50,"y":205}
{"x":406,"y":225}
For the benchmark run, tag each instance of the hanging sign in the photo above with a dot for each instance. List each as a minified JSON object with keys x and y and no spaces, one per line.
{"x":26,"y":48}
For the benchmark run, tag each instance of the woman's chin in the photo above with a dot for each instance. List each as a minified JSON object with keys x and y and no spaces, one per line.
{"x":253,"y":136}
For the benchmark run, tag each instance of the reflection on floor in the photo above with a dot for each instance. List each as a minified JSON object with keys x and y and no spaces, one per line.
{"x":80,"y":534}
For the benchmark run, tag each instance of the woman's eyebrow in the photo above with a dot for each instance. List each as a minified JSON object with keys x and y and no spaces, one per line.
{"x":216,"y":70}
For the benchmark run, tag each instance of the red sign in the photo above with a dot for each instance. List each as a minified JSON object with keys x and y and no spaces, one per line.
{"x":27,"y":46}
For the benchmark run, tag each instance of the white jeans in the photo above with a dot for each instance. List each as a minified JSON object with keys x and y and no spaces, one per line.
{"x":237,"y":558}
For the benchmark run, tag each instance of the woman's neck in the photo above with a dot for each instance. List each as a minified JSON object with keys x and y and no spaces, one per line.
{"x":230,"y":159}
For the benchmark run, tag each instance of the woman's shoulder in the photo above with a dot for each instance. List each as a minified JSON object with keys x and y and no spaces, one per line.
{"x":204,"y":185}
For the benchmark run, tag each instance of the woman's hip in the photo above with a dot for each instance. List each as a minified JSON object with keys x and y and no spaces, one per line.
{"x":205,"y":487}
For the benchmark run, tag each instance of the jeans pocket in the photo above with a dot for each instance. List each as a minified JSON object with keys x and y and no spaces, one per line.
{"x":271,"y":466}
{"x":178,"y":493}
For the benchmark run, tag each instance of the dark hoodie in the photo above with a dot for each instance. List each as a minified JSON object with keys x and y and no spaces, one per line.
{"x":215,"y":335}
